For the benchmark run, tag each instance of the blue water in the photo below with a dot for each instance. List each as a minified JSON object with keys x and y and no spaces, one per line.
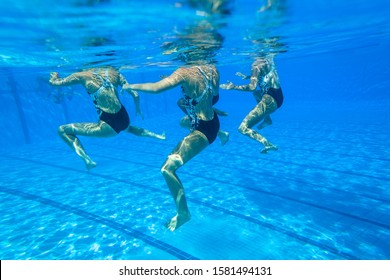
{"x":325,"y":194}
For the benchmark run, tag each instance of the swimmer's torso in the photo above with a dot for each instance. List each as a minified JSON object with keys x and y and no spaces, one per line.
{"x":265,"y":72}
{"x":101,"y":84}
{"x":201,"y":83}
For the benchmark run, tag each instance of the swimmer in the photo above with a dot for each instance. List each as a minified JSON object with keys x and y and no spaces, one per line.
{"x":269,"y":98}
{"x":101,"y":85}
{"x":200,"y":84}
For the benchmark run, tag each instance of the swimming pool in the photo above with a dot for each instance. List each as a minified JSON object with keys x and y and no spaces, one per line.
{"x":323,"y":195}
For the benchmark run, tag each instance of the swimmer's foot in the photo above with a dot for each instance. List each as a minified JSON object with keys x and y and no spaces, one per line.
{"x":269,"y":147}
{"x":224,"y":137}
{"x":90,"y":164}
{"x":177,"y":221}
{"x":161,"y":136}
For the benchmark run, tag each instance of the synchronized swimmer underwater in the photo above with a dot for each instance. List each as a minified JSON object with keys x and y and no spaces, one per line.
{"x":199,"y":80}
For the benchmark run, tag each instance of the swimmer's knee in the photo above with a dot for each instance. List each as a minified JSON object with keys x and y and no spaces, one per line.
{"x":165,"y":170}
{"x":65,"y":129}
{"x":243,"y":128}
{"x":61,"y":130}
{"x":180,"y":102}
{"x":184,"y":122}
{"x":173,"y":162}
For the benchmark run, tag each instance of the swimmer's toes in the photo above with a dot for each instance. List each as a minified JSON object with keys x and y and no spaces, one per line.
{"x":91,"y":165}
{"x":269,"y":148}
{"x":177,"y":222}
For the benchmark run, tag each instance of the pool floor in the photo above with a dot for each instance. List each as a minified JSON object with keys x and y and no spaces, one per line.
{"x":325,"y":194}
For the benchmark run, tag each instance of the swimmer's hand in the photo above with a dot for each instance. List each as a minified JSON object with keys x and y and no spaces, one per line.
{"x":53,"y":76}
{"x":228,"y":86}
{"x":136,"y":97}
{"x":126,"y":87}
{"x":243,"y":76}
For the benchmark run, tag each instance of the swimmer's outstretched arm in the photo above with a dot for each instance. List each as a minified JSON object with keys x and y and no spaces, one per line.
{"x":72,"y":79}
{"x":243,"y":76}
{"x":249,"y":87}
{"x":169,"y":82}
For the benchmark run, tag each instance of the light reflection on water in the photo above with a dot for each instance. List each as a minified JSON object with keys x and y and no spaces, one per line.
{"x":124,"y":34}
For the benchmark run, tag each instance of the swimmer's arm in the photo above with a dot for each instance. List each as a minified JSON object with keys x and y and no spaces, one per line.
{"x":249,"y":87}
{"x":242,"y":76}
{"x":253,"y":81}
{"x":124,"y":84}
{"x":72,"y":79}
{"x":167,"y":83}
{"x":136,"y":100}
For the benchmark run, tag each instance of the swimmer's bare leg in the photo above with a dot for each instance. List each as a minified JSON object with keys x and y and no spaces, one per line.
{"x":168,"y":170}
{"x":190,"y":146}
{"x":139,"y":131}
{"x":68,"y":133}
{"x":254,"y":116}
{"x":268,"y":146}
{"x":181,"y":104}
{"x":185,"y":122}
{"x":267,"y":121}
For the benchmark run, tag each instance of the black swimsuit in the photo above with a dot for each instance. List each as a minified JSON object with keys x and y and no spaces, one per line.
{"x":209,"y":128}
{"x":276,"y":94}
{"x":119,"y":121}
{"x":215,"y":99}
